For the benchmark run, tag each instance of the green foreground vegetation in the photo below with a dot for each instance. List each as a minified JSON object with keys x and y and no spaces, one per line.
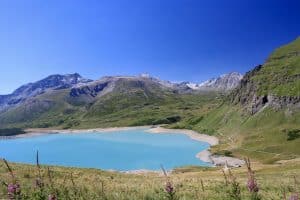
{"x":278,"y":181}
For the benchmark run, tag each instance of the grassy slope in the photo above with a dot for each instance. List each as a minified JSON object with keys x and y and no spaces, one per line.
{"x":280,"y":75}
{"x":262,"y":136}
{"x":39,"y":113}
{"x":145,"y":112}
{"x":90,"y":184}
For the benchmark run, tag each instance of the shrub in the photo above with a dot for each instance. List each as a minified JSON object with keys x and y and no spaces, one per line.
{"x":293,"y":134}
{"x":174,"y":119}
{"x":11,"y":131}
{"x":161,"y":121}
{"x":194,"y":121}
{"x":225,"y":153}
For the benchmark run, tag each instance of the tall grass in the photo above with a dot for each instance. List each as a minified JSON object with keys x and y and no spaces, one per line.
{"x":45,"y":183}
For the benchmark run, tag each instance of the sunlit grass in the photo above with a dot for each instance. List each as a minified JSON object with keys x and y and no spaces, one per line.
{"x":189,"y":183}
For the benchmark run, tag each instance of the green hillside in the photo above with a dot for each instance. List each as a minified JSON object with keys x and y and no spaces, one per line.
{"x":280,"y":75}
{"x":266,"y":136}
{"x":131,"y":103}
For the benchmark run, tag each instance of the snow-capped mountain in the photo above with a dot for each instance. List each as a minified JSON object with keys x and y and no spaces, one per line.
{"x":225,"y":82}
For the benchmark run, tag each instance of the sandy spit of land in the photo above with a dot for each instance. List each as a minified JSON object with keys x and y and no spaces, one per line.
{"x":192,"y":134}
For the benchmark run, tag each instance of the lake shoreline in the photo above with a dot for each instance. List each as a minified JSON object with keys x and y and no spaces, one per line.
{"x":33,"y":132}
{"x":211,"y":140}
{"x":204,"y":155}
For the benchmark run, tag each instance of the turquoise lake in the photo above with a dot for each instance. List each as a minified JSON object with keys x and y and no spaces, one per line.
{"x":119,"y":150}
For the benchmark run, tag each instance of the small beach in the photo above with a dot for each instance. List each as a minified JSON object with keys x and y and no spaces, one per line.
{"x":212,"y":140}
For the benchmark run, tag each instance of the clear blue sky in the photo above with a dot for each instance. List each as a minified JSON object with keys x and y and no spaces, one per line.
{"x":172,"y":39}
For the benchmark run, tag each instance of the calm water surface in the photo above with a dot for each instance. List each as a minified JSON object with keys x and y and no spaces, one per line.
{"x":119,"y":150}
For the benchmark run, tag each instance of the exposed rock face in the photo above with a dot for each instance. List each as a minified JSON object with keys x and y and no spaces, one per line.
{"x":247,"y":94}
{"x":88,"y":90}
{"x":53,"y":82}
{"x":126,"y":84}
{"x":284,"y":101}
{"x":276,"y":102}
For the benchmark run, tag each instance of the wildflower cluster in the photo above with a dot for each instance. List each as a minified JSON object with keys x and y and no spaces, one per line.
{"x":251,"y":182}
{"x":169,"y":188}
{"x":40,"y":192}
{"x":13,"y":188}
{"x":295,"y":195}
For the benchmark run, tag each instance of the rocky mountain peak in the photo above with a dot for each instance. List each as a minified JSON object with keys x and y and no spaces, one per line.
{"x":224,"y":82}
{"x":55,"y":81}
{"x":52,"y":82}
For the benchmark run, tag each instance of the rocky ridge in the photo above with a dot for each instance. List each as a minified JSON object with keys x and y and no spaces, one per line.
{"x":52,"y":82}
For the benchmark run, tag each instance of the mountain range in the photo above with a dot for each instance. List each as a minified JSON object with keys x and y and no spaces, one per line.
{"x":80,"y":86}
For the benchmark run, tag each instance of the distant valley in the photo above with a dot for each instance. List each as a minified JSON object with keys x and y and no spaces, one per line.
{"x":263,"y":105}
